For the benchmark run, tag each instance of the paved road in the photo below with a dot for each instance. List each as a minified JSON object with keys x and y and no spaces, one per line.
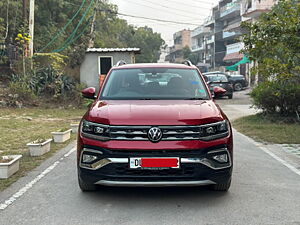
{"x":264,"y":191}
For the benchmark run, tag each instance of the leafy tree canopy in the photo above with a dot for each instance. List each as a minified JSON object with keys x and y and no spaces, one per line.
{"x":274,"y":42}
{"x":52,"y":15}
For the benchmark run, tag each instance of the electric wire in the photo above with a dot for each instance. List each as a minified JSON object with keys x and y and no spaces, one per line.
{"x":148,"y":6}
{"x":64,"y":28}
{"x":153,"y":19}
{"x":69,"y":39}
{"x":168,"y":7}
{"x":78,"y":36}
{"x":203,"y":2}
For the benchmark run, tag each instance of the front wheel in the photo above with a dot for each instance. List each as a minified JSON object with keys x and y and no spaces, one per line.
{"x":230,"y":96}
{"x":86,"y":186}
{"x":238,"y":87}
{"x":221,"y":186}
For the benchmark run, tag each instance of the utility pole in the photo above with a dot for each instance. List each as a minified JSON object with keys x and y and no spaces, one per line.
{"x":91,"y":41}
{"x":25,"y":3}
{"x":31,"y":26}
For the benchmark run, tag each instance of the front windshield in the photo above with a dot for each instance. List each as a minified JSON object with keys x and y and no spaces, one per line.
{"x":154,"y":83}
{"x":217,"y":78}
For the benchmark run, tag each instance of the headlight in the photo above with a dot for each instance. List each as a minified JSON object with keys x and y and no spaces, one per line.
{"x":214,"y":131}
{"x":95,"y":130}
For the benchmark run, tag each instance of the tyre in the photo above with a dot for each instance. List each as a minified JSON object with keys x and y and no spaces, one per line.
{"x":238,"y":86}
{"x":230,"y":96}
{"x":221,"y":186}
{"x":86,"y":186}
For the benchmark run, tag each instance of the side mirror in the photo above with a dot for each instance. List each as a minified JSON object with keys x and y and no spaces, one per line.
{"x":89,"y":93}
{"x":219,"y":91}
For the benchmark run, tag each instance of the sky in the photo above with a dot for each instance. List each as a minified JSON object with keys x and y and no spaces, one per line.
{"x":191,"y":12}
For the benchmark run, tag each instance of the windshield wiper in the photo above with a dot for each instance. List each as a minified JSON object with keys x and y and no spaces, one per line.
{"x":195,"y":98}
{"x":147,"y":99}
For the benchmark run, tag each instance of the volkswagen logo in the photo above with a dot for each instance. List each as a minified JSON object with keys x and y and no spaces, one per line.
{"x":155,"y":134}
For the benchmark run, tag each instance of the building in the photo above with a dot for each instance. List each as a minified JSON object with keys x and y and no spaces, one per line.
{"x":164,"y":51}
{"x":252,"y":9}
{"x":181,"y":39}
{"x":200,"y":49}
{"x":227,"y":30}
{"x":98,"y":61}
{"x":210,"y":41}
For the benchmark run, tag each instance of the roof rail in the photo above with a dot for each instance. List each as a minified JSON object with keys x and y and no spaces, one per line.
{"x":188,"y":63}
{"x":121,"y":62}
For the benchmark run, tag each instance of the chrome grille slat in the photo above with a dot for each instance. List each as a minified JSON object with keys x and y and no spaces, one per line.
{"x":124,"y":132}
{"x":180,"y":133}
{"x":170,"y":133}
{"x":126,"y":139}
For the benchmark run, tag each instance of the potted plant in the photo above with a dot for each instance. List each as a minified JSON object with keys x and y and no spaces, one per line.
{"x":39,"y":147}
{"x":9,"y":165}
{"x":74,"y":127}
{"x":61,"y":135}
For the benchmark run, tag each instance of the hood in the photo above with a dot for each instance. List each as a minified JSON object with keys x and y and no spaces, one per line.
{"x":154,"y":112}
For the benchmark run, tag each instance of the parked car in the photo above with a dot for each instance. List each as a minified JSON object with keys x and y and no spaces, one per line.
{"x":219,"y":80}
{"x":239,"y":82}
{"x":154,"y":125}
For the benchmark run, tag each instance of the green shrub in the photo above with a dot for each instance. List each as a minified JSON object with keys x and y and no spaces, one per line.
{"x":75,"y":95}
{"x":276,"y":97}
{"x":54,"y":60}
{"x":46,"y":81}
{"x":20,"y":93}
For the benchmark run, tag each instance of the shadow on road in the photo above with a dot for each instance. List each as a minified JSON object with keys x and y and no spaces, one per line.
{"x":157,"y":194}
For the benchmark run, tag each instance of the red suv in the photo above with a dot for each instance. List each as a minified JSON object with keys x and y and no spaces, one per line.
{"x":154,"y":125}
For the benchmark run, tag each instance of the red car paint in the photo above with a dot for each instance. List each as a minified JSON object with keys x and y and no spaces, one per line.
{"x":154,"y":113}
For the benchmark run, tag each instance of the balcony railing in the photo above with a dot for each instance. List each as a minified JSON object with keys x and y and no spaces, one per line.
{"x":200,"y":30}
{"x":227,"y":34}
{"x":210,"y":39}
{"x":196,"y":48}
{"x":230,"y":8}
{"x":236,"y":47}
{"x":254,"y":8}
{"x":209,"y":20}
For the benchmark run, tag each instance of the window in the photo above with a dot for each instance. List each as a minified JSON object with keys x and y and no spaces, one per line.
{"x":217,"y":78}
{"x":154,"y":83}
{"x":105,"y":64}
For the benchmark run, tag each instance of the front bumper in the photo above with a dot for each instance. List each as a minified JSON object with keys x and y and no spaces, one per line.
{"x":112,"y":168}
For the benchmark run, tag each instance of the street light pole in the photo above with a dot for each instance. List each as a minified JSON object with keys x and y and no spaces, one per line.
{"x":31,"y":26}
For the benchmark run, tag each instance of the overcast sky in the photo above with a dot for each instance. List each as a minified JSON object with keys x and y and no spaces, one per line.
{"x":181,"y":11}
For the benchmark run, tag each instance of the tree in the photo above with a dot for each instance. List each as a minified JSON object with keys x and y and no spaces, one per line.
{"x":64,"y":26}
{"x":186,"y":51}
{"x":274,"y":43}
{"x":149,"y":42}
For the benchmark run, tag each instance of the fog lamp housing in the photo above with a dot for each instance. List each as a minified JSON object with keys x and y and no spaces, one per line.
{"x":223,"y":158}
{"x":86,"y":158}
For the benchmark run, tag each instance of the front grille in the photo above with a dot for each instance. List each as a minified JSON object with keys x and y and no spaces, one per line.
{"x":123,"y":172}
{"x":170,"y":133}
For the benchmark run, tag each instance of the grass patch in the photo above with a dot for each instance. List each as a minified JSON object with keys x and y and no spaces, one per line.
{"x":21,"y":126}
{"x":269,"y":129}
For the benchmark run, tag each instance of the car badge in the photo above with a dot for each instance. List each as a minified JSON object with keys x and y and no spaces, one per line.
{"x":155,"y":134}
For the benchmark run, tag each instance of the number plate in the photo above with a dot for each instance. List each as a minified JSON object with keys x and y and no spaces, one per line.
{"x":153,"y":163}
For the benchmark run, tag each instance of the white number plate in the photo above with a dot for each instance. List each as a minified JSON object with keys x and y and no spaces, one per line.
{"x":135,"y":163}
